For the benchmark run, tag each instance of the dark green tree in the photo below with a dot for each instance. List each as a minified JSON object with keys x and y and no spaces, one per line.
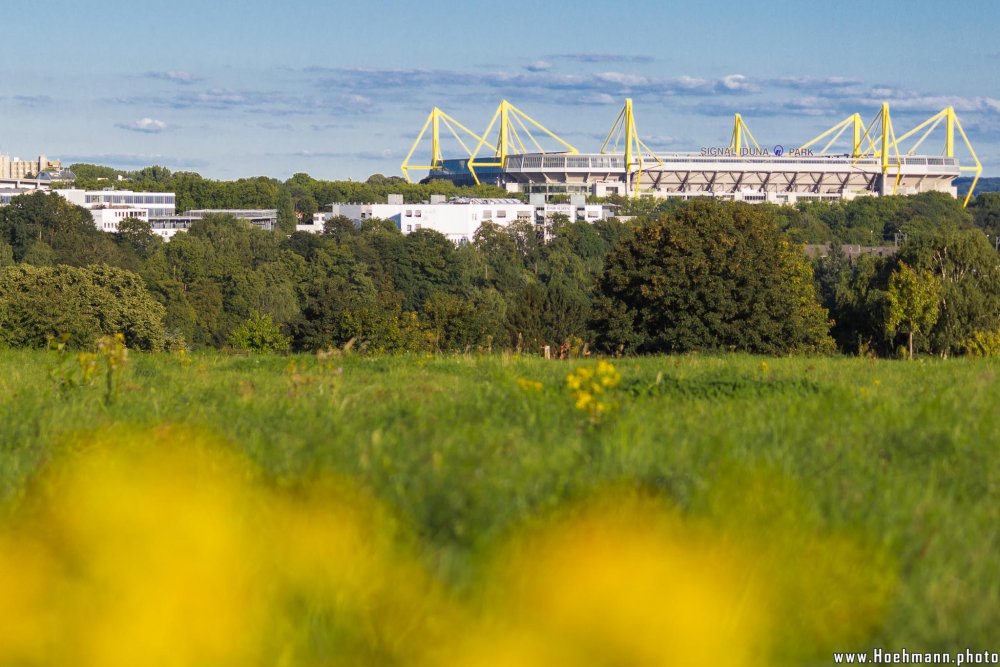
{"x":138,"y":236}
{"x":715,"y":275}
{"x":82,"y":303}
{"x":966,"y":266}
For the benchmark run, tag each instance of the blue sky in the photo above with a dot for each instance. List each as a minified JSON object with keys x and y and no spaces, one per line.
{"x":340,"y":90}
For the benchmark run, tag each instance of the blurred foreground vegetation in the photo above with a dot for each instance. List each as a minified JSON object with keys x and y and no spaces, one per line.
{"x":431,"y":510}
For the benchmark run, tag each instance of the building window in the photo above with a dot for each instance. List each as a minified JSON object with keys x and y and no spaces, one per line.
{"x":409,"y":213}
{"x":418,"y":225}
{"x":417,"y":213}
{"x":409,"y":228}
{"x":501,"y":214}
{"x":487,"y":214}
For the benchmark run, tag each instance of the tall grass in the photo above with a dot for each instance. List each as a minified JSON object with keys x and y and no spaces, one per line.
{"x":867,"y":491}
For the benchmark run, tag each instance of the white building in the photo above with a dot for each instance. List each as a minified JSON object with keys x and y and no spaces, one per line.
{"x":107,"y":218}
{"x":314,"y":226}
{"x":156,"y":204}
{"x":6,"y":194}
{"x":168,"y":225}
{"x":458,"y":219}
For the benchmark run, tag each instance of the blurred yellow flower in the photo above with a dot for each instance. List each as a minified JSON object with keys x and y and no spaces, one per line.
{"x":162,"y":549}
{"x":589,"y":386}
{"x":529,"y":385}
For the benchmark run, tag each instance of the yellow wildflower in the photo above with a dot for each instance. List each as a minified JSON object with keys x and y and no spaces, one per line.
{"x":529,"y":385}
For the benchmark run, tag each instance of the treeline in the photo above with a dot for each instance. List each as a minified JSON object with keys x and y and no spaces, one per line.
{"x":298,"y":197}
{"x":698,"y":275}
{"x":865,"y":221}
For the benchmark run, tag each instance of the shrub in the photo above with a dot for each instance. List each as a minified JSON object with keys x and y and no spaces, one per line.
{"x":983,"y":344}
{"x":259,"y":333}
{"x":78,"y":306}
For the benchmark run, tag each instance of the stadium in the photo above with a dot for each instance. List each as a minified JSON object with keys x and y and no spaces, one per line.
{"x":851,"y":159}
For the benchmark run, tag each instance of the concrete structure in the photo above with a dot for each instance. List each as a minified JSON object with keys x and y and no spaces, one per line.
{"x":871,"y":160}
{"x":17,"y":168}
{"x":167,"y":226}
{"x":156,"y":204}
{"x":459,"y":218}
{"x":314,"y":226}
{"x":6,"y":194}
{"x":23,"y":184}
{"x":264,"y":218}
{"x":107,"y":218}
{"x":110,"y":207}
{"x":778,"y":179}
{"x":56,"y":175}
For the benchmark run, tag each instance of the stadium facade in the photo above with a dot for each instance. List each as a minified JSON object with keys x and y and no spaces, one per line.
{"x":851,"y":159}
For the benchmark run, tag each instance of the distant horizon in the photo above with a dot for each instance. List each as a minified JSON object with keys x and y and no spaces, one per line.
{"x":240,"y":89}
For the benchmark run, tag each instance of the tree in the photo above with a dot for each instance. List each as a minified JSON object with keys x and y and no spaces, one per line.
{"x":259,"y":333}
{"x":913,"y":302}
{"x":286,"y":212}
{"x":6,"y":255}
{"x":428,"y":266}
{"x":340,"y":228}
{"x":986,"y":213}
{"x":67,"y":230}
{"x":967,"y":268}
{"x":853,"y":291}
{"x":460,"y":323}
{"x":83,"y":303}
{"x":138,"y":235}
{"x":715,"y":275}
{"x":39,"y":253}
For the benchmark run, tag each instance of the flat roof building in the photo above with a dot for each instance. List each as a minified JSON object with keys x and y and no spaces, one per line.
{"x":154,"y":203}
{"x":167,"y":226}
{"x":108,"y":218}
{"x":459,"y":218}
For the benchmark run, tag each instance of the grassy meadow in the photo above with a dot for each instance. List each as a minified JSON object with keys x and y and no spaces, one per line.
{"x":784,"y":507}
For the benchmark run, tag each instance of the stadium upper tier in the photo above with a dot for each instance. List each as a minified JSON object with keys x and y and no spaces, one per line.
{"x":776,"y":179}
{"x":874,"y":161}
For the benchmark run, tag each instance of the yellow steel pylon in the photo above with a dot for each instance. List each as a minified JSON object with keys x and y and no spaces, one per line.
{"x":950,"y":119}
{"x":634,"y":149}
{"x":509,"y":137}
{"x":434,"y":121}
{"x":738,"y":140}
{"x":854,"y":121}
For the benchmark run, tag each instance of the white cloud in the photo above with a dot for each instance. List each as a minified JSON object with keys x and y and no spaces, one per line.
{"x":147,"y":125}
{"x":175,"y":76}
{"x":538,"y":66}
{"x":598,"y":98}
{"x":736,"y":82}
{"x":622,"y":79}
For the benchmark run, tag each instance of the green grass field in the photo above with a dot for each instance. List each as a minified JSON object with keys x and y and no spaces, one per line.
{"x":869,"y":489}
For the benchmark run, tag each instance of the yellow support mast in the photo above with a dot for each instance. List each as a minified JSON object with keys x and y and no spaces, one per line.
{"x":738,"y":140}
{"x":434,"y":121}
{"x":853,"y":121}
{"x":881,"y":144}
{"x":509,"y":139}
{"x":951,"y":122}
{"x":634,"y":149}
